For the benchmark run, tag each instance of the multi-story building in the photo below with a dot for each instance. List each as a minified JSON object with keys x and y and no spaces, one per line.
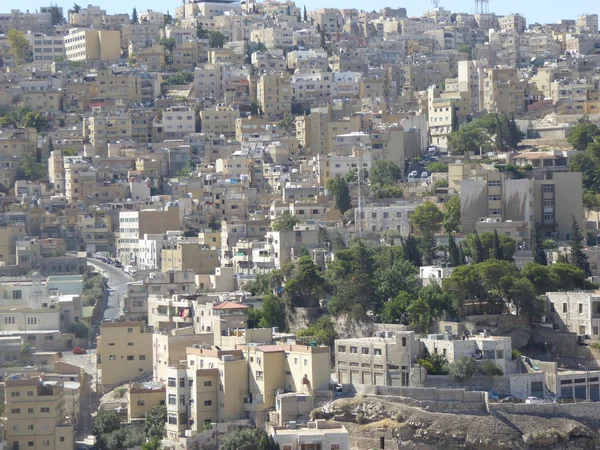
{"x":376,"y":361}
{"x":176,"y":122}
{"x":92,"y":45}
{"x":122,"y":86}
{"x":274,"y":94}
{"x":576,"y":312}
{"x":46,"y":48}
{"x":381,"y":217}
{"x":133,"y":224}
{"x":35,"y":413}
{"x":124,"y":352}
{"x":181,"y":255}
{"x":87,"y":17}
{"x":497,"y":349}
{"x":551,"y":203}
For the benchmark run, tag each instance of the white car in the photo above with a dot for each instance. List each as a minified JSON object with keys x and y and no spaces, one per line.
{"x":424,"y":175}
{"x":413,"y":174}
{"x":536,"y":400}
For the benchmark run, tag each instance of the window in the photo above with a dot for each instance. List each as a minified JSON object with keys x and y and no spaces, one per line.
{"x":142,"y":357}
{"x":353,"y":350}
{"x":342,"y":348}
{"x":494,"y":198}
{"x":30,"y":444}
{"x":172,"y":382}
{"x":29,"y":410}
{"x":499,"y":354}
{"x":580,"y":308}
{"x":403,"y":342}
{"x":494,"y":212}
{"x":45,"y":410}
{"x":140,"y":402}
{"x":46,"y":442}
{"x":564,"y":307}
{"x":377,"y":351}
{"x":172,"y":399}
{"x":548,"y":188}
{"x":172,"y":419}
{"x":15,"y":410}
{"x":365,"y":351}
{"x":208,"y":383}
{"x":182,"y":382}
{"x":207,"y":402}
{"x":130,"y":330}
{"x":30,"y":427}
{"x":130,"y":343}
{"x":494,"y":183}
{"x":259,"y":375}
{"x":130,"y":358}
{"x":548,"y":217}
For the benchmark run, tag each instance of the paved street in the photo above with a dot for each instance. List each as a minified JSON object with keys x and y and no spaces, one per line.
{"x":117,"y":283}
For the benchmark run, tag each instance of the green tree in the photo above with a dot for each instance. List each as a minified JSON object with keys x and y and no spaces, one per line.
{"x":80,"y":330}
{"x":583,"y":134}
{"x":306,"y":285}
{"x":435,"y":364}
{"x":411,"y":251}
{"x":105,"y":424}
{"x":567,"y":276}
{"x":305,"y":17}
{"x":30,"y":168}
{"x":480,"y":246}
{"x":578,"y":256}
{"x":217,"y":39}
{"x":427,"y":218}
{"x":55,"y":14}
{"x":134,"y":16}
{"x":497,"y":248}
{"x":384,"y":172}
{"x":452,"y":215}
{"x":463,"y":368}
{"x":169,"y":45}
{"x":490,"y":368}
{"x":537,"y":248}
{"x":391,"y":280}
{"x":522,"y":294}
{"x":19,"y":46}
{"x":272,"y":313}
{"x":156,"y":419}
{"x":152,"y":444}
{"x":543,"y":279}
{"x":285,"y":222}
{"x":437,"y":167}
{"x":323,"y":331}
{"x":338,"y":187}
{"x":35,"y":120}
{"x":394,"y":310}
{"x":201,"y":33}
{"x":287,"y":122}
{"x":453,"y":252}
{"x":76,"y":8}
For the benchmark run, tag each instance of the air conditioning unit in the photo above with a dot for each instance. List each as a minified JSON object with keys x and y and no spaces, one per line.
{"x":227,"y":358}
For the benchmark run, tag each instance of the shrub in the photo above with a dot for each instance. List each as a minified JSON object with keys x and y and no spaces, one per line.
{"x":316,"y":413}
{"x":360,"y":419}
{"x":490,"y":368}
{"x":596,"y":345}
{"x":462,"y":368}
{"x":120,"y":392}
{"x":516,"y":354}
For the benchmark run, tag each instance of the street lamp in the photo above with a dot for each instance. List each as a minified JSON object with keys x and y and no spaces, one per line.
{"x":587,"y":380}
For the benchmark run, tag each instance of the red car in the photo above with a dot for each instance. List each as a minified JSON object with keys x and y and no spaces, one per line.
{"x":79,"y":351}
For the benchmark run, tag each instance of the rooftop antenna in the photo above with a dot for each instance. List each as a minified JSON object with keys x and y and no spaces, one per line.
{"x":485,"y":6}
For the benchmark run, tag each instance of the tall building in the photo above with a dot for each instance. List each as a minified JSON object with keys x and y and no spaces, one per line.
{"x":36,"y":414}
{"x":93,"y":45}
{"x":274,"y":94}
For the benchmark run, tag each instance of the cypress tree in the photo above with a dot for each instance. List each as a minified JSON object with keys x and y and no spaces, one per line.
{"x":305,"y":16}
{"x":411,"y":251}
{"x":497,"y":250}
{"x":578,"y":257}
{"x":478,"y":256}
{"x":539,"y":255}
{"x":453,"y":251}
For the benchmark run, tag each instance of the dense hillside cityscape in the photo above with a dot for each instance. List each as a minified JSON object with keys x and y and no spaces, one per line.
{"x":257,"y":226}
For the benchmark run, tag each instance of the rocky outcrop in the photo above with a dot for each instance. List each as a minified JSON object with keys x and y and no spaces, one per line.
{"x":369,"y":418}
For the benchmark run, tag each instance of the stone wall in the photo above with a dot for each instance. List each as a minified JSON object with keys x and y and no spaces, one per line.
{"x":575,"y":410}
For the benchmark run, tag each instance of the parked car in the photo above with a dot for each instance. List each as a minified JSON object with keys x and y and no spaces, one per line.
{"x":424,"y":175}
{"x":79,"y":351}
{"x":118,"y":264}
{"x":510,"y":399}
{"x":413,"y":174}
{"x":536,"y":400}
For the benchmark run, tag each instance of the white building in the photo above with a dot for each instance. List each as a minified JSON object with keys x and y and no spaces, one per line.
{"x":317,"y":434}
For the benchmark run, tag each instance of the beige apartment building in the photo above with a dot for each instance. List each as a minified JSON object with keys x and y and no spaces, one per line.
{"x":119,"y":86}
{"x":35,"y":414}
{"x":201,"y":259}
{"x":136,"y":125}
{"x":92,"y":45}
{"x":220,"y":120}
{"x":274,"y":94}
{"x":551,"y":203}
{"x":124,"y":352}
